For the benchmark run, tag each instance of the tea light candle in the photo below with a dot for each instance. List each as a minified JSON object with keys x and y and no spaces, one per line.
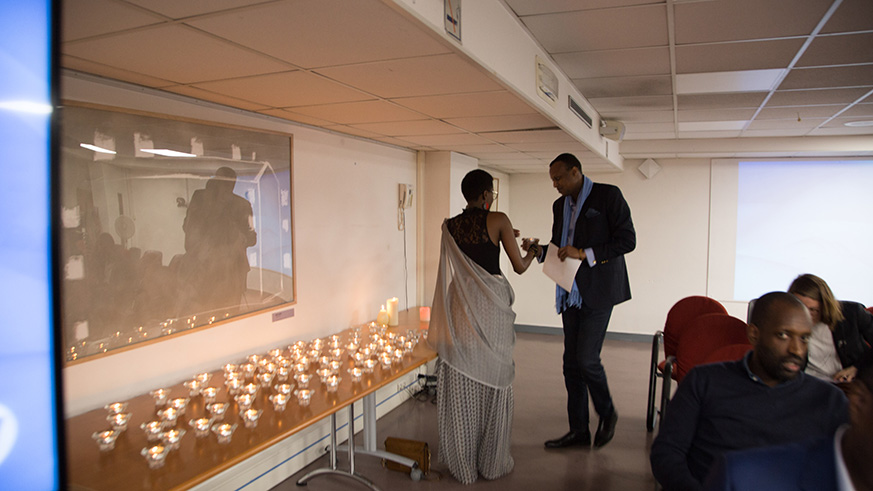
{"x":234,"y":386}
{"x":335,"y":353}
{"x":254,"y":359}
{"x":279,"y":402}
{"x":209,"y":394}
{"x":335,"y":365}
{"x":229,"y":368}
{"x":324,"y":373}
{"x":304,"y":396}
{"x":251,"y":389}
{"x":284,"y":389}
{"x":359,"y":358}
{"x":200,"y":426}
{"x":265,"y":378}
{"x":118,"y":421}
{"x":332,"y":383}
{"x":356,"y":374}
{"x":275,"y":353}
{"x":179,"y":404}
{"x":352,"y":347}
{"x":282,"y":373}
{"x":244,"y":401}
{"x":250,"y":417}
{"x":168,"y":416}
{"x":152,"y":430}
{"x":424,"y":314}
{"x":223,"y":432}
{"x":383,"y":319}
{"x":193,"y":387}
{"x":323,"y":361}
{"x":172,"y":438}
{"x":217,"y":409}
{"x":303,"y":379}
{"x":385,"y":359}
{"x":161,"y":396}
{"x":116,"y":407}
{"x":105,"y":439}
{"x":393,"y":318}
{"x":155,"y":455}
{"x":248,"y":369}
{"x":203,"y":378}
{"x":369,"y":364}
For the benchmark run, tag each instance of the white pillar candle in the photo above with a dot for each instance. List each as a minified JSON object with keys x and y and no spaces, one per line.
{"x":393,"y":320}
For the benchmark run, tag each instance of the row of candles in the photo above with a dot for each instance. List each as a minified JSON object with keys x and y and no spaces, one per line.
{"x":244,"y":381}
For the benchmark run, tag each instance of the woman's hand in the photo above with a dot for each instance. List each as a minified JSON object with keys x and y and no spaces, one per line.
{"x":846,"y":374}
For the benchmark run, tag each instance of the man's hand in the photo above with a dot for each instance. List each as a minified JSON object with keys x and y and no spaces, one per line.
{"x":570,"y":251}
{"x":846,"y":374}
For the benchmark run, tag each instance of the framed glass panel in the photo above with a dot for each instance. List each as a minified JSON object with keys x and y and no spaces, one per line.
{"x":168,"y":225}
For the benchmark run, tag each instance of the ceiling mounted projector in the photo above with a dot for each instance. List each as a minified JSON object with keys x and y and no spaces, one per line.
{"x":614,"y":130}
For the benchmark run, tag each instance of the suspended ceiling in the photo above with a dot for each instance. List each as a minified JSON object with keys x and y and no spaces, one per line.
{"x":712,"y":77}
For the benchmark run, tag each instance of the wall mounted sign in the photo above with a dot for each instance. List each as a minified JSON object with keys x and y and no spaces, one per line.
{"x":453,"y":18}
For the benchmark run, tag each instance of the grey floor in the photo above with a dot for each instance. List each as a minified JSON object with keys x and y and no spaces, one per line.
{"x":540,"y":414}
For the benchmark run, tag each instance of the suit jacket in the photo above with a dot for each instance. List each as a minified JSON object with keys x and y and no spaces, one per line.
{"x":805,"y":466}
{"x":604,"y":225}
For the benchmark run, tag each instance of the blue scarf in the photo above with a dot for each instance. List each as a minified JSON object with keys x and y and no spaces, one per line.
{"x":563,"y":298}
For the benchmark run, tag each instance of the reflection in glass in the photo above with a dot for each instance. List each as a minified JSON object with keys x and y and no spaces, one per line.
{"x":167,"y":226}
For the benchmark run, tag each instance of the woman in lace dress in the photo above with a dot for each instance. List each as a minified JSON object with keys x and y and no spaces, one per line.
{"x":472,"y":330}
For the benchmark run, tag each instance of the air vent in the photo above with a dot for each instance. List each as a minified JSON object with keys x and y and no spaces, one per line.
{"x":577,"y":109}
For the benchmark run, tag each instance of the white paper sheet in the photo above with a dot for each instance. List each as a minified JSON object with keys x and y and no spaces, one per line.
{"x":561,"y":272}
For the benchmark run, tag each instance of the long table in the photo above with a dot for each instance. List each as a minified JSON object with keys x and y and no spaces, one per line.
{"x":199,"y":459}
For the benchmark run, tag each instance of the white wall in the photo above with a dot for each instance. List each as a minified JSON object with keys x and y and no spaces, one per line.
{"x":349,"y":252}
{"x":671,"y":214}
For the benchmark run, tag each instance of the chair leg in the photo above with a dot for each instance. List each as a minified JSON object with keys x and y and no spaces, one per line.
{"x":665,"y":391}
{"x":653,"y":382}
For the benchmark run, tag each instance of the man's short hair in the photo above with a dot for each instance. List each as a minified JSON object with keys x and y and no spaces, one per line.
{"x":475,"y":183}
{"x":569,"y":160}
{"x":766,"y":306}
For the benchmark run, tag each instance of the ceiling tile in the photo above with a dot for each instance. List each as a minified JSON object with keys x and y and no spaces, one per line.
{"x":775,"y":124}
{"x":538,"y":136}
{"x":615,"y":63}
{"x":532,"y":7}
{"x":360,"y":112}
{"x":841,"y":123}
{"x":625,"y":86}
{"x":734,"y":20}
{"x":452,"y":140}
{"x":842,"y":130}
{"x":645,"y":103}
{"x":709,"y":134}
{"x":666,"y":135}
{"x":428,"y":75}
{"x":838,"y":49}
{"x":724,"y":82}
{"x":86,"y":18}
{"x":213,"y":97}
{"x":859,"y":110}
{"x":314,"y":34}
{"x":851,"y":15}
{"x":175,"y":9}
{"x":688,"y":115}
{"x":777,"y":132}
{"x":814,"y":97}
{"x":467,"y":105}
{"x":838,"y":76}
{"x":287,"y":89}
{"x":721,"y":101}
{"x":174,"y":53}
{"x":539,"y":148}
{"x":86,"y":66}
{"x":625,"y":27}
{"x":746,"y":55}
{"x":502,"y":123}
{"x":648,"y":127}
{"x":407,"y":128}
{"x":290,"y":116}
{"x":639,"y":116}
{"x":350,"y":130}
{"x":802,"y":112}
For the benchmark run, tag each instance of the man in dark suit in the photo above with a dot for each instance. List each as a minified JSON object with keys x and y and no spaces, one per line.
{"x":592,"y":222}
{"x":825,"y":464}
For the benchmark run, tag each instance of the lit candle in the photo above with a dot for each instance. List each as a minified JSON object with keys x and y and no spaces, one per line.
{"x":424,"y":314}
{"x":393,"y":320}
{"x":382,"y":319}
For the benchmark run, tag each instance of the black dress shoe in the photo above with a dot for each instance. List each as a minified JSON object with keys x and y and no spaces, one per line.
{"x":606,"y":429}
{"x":571,"y":439}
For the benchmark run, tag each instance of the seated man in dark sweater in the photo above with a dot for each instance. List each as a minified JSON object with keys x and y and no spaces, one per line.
{"x":762,"y":399}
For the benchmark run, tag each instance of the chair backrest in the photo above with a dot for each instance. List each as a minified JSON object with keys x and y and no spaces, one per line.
{"x":682,"y":313}
{"x":730,"y":352}
{"x":702,"y":336}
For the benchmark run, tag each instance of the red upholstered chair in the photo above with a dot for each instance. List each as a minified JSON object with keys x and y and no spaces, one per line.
{"x":677,"y":318}
{"x":702,"y":337}
{"x":731,"y":352}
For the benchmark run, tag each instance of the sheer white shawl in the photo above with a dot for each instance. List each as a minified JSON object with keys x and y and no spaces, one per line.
{"x":471,"y":324}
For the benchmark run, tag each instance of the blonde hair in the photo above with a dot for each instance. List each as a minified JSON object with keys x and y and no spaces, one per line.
{"x":811,"y":286}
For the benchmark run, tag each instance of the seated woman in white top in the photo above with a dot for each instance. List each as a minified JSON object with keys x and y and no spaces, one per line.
{"x":842,"y":331}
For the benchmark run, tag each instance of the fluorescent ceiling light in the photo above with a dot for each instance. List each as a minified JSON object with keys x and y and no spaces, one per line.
{"x":712,"y":125}
{"x":166,"y":152}
{"x":857,"y":124}
{"x":722,"y":82}
{"x":27,"y":107}
{"x":97,"y":149}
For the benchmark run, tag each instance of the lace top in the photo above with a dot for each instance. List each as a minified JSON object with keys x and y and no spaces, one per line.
{"x":470,"y":231}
